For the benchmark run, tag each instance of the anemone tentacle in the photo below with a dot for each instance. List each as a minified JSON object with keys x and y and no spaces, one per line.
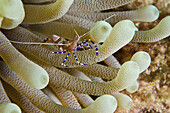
{"x":19,"y":99}
{"x":50,"y":93}
{"x":69,"y":87}
{"x":9,"y":108}
{"x":27,"y":70}
{"x":66,"y":97}
{"x":36,"y":14}
{"x":37,"y":1}
{"x":123,"y":100}
{"x":130,"y":70}
{"x":11,"y":13}
{"x":4,"y":98}
{"x":84,"y":99}
{"x":147,"y":13}
{"x":161,"y":31}
{"x":112,"y":44}
{"x":96,"y":5}
{"x":111,"y":61}
{"x":76,"y":21}
{"x":107,"y":72}
{"x":61,"y":29}
{"x":44,"y":103}
{"x":87,"y":87}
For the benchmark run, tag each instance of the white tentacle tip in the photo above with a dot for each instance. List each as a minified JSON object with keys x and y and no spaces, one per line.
{"x":143,"y":59}
{"x":9,"y":108}
{"x":103,"y":104}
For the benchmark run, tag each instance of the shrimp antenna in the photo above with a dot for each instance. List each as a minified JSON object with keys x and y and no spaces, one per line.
{"x":109,"y":17}
{"x":77,"y":34}
{"x":35,"y":43}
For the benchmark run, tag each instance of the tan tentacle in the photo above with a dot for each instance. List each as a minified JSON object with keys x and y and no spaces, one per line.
{"x":66,"y":97}
{"x":61,"y":29}
{"x":36,"y":14}
{"x":23,"y":102}
{"x":147,"y":13}
{"x":11,"y":13}
{"x":123,"y":100}
{"x":9,"y":108}
{"x":76,"y":21}
{"x":161,"y":31}
{"x":84,"y":99}
{"x":128,"y":72}
{"x":50,"y":93}
{"x":40,"y":100}
{"x":4,"y":98}
{"x":30,"y":72}
{"x":96,"y":5}
{"x":107,"y":72}
{"x":37,"y":97}
{"x":94,"y":88}
{"x":37,"y":1}
{"x":139,"y":57}
{"x":111,"y":61}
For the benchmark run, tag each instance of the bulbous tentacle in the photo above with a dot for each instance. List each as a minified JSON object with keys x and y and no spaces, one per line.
{"x":111,"y":61}
{"x":36,"y":14}
{"x":133,"y":88}
{"x":123,"y":100}
{"x":20,"y":100}
{"x":161,"y":31}
{"x":128,"y":72}
{"x":40,"y":100}
{"x":11,"y":13}
{"x":84,"y":99}
{"x":9,"y":108}
{"x":147,"y":13}
{"x":143,"y":59}
{"x":94,"y":88}
{"x":96,"y":5}
{"x":4,"y":98}
{"x":31,"y":73}
{"x":66,"y":97}
{"x":50,"y":93}
{"x":107,"y":72}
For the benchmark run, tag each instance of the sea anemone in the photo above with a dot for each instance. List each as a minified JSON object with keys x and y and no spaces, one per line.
{"x":29,"y":63}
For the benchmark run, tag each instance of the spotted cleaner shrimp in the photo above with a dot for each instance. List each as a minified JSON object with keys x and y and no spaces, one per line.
{"x":69,"y":46}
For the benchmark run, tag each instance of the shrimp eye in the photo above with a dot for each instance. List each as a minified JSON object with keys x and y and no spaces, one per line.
{"x":45,"y":39}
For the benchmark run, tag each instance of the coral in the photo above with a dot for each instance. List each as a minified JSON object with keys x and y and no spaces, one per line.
{"x":28,"y":63}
